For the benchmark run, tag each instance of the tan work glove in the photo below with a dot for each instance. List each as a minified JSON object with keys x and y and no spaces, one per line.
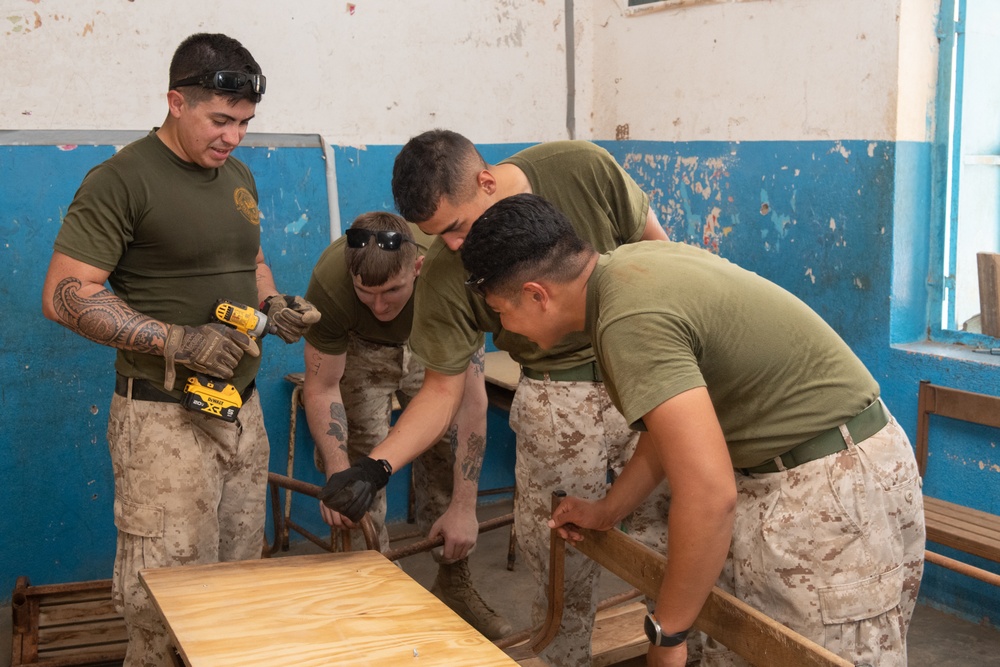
{"x":291,"y":316}
{"x":213,"y":349}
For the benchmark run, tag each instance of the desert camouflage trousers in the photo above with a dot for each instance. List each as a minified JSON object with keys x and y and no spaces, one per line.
{"x":189,"y":489}
{"x":372,"y":374}
{"x":570,"y":437}
{"x":834,"y":549}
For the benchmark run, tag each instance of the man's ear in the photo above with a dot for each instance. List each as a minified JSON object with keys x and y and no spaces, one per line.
{"x":175,"y":102}
{"x":487,"y":181}
{"x":537,"y":293}
{"x":417,"y":264}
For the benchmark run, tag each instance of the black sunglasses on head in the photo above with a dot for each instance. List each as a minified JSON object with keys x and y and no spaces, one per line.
{"x":226,"y":80}
{"x":477,"y":285}
{"x":359,"y":238}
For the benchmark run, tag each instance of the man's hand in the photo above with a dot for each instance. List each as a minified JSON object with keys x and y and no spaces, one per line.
{"x":575,"y":513}
{"x":213,"y":349}
{"x":291,"y":316}
{"x":334,"y":519}
{"x":460,"y":530}
{"x":351,"y":492}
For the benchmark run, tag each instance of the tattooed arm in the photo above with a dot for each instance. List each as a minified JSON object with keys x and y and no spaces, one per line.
{"x":459,"y":524}
{"x":326,"y":416}
{"x":265,"y":279}
{"x":74,"y":295}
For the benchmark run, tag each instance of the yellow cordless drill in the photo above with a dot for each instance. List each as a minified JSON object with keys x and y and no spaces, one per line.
{"x":213,"y":396}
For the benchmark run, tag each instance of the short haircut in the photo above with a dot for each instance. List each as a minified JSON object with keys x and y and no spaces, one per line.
{"x":205,"y":53}
{"x":520,"y":239}
{"x":372,"y":264}
{"x":432,"y":165}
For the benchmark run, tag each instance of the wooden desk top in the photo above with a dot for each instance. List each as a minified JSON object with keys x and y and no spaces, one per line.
{"x":345,"y":609}
{"x":501,"y":370}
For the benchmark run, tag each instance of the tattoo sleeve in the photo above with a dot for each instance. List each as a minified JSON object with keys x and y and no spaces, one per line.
{"x":106,"y":319}
{"x":338,"y":424}
{"x":473,"y":463}
{"x":479,"y":362}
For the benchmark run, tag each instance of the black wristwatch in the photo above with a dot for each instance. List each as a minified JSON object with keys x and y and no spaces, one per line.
{"x":656,"y":636}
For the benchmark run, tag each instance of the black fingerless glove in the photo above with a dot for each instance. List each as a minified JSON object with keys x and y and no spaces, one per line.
{"x":351,"y":492}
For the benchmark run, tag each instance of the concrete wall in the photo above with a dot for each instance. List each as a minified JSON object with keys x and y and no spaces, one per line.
{"x":792,"y":136}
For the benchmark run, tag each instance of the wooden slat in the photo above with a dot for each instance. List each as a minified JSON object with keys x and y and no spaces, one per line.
{"x":758,"y":639}
{"x":618,"y":634}
{"x":989,"y":292}
{"x":965,"y":405}
{"x":76,"y":612}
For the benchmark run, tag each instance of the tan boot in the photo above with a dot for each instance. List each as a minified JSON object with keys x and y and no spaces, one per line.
{"x":453,"y":586}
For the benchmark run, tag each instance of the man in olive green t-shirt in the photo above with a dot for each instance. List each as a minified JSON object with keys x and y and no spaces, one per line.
{"x":171,"y":223}
{"x":821,"y":526}
{"x":357,"y":358}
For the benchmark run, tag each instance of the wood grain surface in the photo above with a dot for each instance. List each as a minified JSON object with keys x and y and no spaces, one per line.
{"x":343,"y":609}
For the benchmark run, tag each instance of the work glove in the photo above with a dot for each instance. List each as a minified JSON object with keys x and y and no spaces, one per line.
{"x":213,"y":349}
{"x":291,"y":315}
{"x":351,"y":492}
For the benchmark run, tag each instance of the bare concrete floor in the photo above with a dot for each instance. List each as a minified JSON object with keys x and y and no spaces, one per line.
{"x":935,"y":638}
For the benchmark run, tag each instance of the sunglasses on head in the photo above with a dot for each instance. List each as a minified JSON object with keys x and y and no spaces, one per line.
{"x":226,"y":80}
{"x":477,"y":285}
{"x":359,"y":238}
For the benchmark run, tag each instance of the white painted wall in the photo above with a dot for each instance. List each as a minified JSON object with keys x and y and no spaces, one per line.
{"x":492,"y":69}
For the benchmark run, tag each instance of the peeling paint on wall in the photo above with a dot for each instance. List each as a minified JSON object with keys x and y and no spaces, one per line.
{"x":687,"y":194}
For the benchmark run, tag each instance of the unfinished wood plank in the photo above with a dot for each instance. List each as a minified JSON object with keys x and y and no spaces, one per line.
{"x":989,"y":292}
{"x":618,"y":634}
{"x":758,"y":639}
{"x":86,"y":611}
{"x":353,"y":608}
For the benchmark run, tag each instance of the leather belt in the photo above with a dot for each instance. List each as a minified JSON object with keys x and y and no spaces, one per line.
{"x":588,"y":372}
{"x":862,"y":426}
{"x":144,"y":390}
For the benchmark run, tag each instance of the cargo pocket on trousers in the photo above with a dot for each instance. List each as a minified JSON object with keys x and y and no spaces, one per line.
{"x":861,"y":619}
{"x":140,"y":546}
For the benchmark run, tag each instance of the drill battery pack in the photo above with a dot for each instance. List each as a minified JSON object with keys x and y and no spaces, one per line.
{"x":211,"y":396}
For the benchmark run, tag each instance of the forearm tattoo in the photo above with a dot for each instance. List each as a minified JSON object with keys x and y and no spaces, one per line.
{"x":106,"y":319}
{"x":479,"y":362}
{"x":473,"y":462}
{"x":338,"y":425}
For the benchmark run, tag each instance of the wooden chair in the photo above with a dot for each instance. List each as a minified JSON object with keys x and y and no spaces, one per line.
{"x":950,"y":524}
{"x":757,"y":638}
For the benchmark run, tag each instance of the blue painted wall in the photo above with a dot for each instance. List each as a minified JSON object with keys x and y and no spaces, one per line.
{"x":843,"y":225}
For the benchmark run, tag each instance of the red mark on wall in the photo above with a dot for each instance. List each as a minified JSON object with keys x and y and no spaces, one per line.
{"x":351,"y":7}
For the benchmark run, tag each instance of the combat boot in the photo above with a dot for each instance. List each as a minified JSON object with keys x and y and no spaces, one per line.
{"x":453,"y":586}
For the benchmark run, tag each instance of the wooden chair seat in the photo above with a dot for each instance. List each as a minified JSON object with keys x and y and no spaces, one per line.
{"x":949,"y":524}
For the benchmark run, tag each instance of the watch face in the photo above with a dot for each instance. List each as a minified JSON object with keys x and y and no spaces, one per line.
{"x":652,"y":631}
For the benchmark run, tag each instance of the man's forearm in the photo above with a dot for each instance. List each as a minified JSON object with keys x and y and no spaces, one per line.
{"x":424,"y":421}
{"x":469,"y":435}
{"x":104,"y":318}
{"x":327,"y":421}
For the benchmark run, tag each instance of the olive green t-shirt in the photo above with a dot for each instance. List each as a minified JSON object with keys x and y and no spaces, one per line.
{"x":176,"y":238}
{"x":667,"y":317}
{"x":605,"y":206}
{"x":331,"y":290}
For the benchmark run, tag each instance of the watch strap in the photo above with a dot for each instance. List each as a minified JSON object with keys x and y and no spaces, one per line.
{"x":656,"y":636}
